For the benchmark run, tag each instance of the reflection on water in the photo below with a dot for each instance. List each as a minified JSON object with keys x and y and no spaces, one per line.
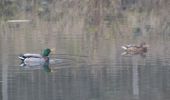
{"x":4,"y":70}
{"x":135,"y":78}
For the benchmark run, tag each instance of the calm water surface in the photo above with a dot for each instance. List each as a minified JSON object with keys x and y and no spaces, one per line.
{"x":90,"y":70}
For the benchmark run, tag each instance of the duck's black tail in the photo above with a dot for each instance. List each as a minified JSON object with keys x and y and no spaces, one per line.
{"x":21,"y":57}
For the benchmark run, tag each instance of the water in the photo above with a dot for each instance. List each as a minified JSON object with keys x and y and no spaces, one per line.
{"x":82,"y":76}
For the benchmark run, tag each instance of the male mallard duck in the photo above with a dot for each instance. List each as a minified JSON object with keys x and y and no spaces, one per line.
{"x":29,"y":59}
{"x":135,"y":49}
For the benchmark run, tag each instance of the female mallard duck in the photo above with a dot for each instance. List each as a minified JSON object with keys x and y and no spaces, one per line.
{"x":135,"y":49}
{"x":32,"y":60}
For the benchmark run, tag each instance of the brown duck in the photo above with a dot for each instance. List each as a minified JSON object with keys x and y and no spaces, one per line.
{"x":135,"y":49}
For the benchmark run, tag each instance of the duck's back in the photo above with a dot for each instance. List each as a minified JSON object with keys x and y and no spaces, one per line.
{"x":32,"y":55}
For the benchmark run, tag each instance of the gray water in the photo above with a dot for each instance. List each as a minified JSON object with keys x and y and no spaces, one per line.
{"x":87,"y":72}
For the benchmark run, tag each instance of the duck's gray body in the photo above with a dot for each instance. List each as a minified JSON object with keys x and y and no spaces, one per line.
{"x":29,"y":59}
{"x":34,"y":61}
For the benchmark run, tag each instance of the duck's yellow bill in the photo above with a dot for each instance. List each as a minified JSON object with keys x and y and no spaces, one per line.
{"x":53,"y":50}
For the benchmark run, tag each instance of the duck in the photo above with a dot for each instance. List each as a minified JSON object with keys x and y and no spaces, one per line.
{"x":135,"y":49}
{"x":32,"y":60}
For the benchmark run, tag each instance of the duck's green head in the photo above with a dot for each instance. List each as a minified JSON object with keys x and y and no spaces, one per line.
{"x":46,"y":52}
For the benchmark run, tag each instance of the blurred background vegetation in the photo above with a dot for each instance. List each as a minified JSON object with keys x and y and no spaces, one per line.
{"x":106,"y":18}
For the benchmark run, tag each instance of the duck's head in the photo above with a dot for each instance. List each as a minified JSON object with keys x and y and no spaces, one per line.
{"x":46,"y":52}
{"x":144,"y":45}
